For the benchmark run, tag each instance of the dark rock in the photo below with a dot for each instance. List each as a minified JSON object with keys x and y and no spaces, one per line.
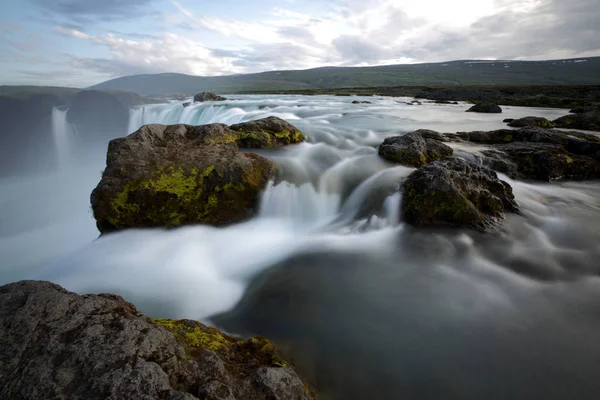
{"x":167,"y":176}
{"x":541,"y":161}
{"x":208,"y":96}
{"x":507,"y":120}
{"x":453,"y":192}
{"x":429,"y":134}
{"x":57,"y":344}
{"x":413,"y":149}
{"x":586,"y":121}
{"x":485,"y":108}
{"x":414,"y":103}
{"x":187,"y":104}
{"x":531,"y":121}
{"x":361,"y":102}
{"x":443,"y":102}
{"x":266,"y":132}
{"x":581,"y":110}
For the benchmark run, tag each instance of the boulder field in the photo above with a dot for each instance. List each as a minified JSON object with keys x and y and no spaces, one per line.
{"x":449,"y":191}
{"x":60,"y":345}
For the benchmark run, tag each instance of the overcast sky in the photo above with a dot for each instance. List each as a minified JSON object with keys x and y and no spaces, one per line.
{"x":83,"y":42}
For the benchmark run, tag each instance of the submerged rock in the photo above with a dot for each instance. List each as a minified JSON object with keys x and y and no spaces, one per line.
{"x":531,"y":121}
{"x":586,"y":121}
{"x":414,"y":149}
{"x":454,"y":192}
{"x":485,"y":108}
{"x":208,"y":96}
{"x":266,"y":133}
{"x":57,"y":344}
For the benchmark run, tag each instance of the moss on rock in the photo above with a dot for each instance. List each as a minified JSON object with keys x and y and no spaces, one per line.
{"x":197,"y":337}
{"x":266,"y":133}
{"x":454,"y":192}
{"x":167,"y":176}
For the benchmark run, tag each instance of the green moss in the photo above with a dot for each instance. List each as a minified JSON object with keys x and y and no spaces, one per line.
{"x":507,"y":138}
{"x":194,"y":334}
{"x":546,"y":124}
{"x":180,"y":189}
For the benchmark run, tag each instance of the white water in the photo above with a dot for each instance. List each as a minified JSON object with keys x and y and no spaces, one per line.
{"x":65,"y":137}
{"x":337,"y":195}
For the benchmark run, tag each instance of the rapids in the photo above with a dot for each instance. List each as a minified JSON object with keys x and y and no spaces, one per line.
{"x":366,"y":306}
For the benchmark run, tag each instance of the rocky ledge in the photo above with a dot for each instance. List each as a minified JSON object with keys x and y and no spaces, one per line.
{"x":57,"y":344}
{"x":168,"y":176}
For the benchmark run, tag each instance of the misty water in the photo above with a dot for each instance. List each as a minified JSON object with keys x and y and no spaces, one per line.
{"x":364,"y":305}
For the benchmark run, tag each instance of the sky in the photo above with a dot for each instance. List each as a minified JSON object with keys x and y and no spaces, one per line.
{"x":79,"y":43}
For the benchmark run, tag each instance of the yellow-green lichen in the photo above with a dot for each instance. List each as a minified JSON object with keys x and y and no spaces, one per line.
{"x":194,"y":334}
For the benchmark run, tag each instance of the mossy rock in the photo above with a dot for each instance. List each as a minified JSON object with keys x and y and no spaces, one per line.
{"x":168,"y":176}
{"x":413,"y":149}
{"x":453,"y":192}
{"x":531,"y":121}
{"x":586,"y":121}
{"x":266,"y":133}
{"x":541,"y":161}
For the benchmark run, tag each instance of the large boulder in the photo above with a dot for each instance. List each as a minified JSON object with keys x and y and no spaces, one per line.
{"x":208,"y":96}
{"x":167,"y":176}
{"x":267,"y":132}
{"x":586,"y":121}
{"x":531,"y":122}
{"x":453,"y":192}
{"x":57,"y":344}
{"x":485,"y":108}
{"x":414,"y":149}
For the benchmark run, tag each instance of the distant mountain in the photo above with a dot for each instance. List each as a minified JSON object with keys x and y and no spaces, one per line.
{"x":584,"y":71}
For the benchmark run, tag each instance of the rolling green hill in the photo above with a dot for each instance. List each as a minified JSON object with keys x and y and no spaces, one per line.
{"x":555,"y":72}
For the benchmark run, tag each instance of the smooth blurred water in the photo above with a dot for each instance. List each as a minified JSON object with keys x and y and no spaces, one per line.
{"x":367,"y":306}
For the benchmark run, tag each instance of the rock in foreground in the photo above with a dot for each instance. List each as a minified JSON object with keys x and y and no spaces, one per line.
{"x":57,"y":344}
{"x":208,"y":96}
{"x":414,"y":148}
{"x":453,"y":192}
{"x":485,"y":108}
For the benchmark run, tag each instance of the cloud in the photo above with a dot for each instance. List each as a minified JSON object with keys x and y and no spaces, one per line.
{"x":96,"y":10}
{"x":167,"y":53}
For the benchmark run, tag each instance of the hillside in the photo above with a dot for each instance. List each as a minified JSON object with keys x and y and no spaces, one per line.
{"x":474,"y":72}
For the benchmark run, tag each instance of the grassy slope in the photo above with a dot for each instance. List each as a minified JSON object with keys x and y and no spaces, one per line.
{"x":554,"y":72}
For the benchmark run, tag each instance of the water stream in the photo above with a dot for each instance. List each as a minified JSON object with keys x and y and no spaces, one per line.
{"x":365,"y":306}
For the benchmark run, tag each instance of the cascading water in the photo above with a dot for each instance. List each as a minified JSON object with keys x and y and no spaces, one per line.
{"x":369,"y":306}
{"x":63,"y":134}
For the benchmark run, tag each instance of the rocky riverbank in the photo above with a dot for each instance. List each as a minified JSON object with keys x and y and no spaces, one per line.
{"x":58,"y":344}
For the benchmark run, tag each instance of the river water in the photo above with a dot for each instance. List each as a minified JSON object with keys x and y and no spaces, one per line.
{"x":364,"y":305}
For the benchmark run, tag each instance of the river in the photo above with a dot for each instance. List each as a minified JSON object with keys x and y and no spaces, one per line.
{"x":363,"y":304}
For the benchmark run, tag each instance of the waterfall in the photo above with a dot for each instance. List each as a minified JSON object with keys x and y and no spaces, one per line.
{"x":63,"y":134}
{"x":175,"y":113}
